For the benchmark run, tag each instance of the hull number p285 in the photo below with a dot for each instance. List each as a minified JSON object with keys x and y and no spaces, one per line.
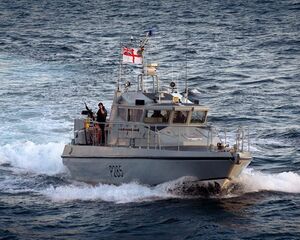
{"x":115,"y":171}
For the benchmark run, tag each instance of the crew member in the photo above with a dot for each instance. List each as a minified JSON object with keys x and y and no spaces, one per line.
{"x":180,"y":118}
{"x":157,"y":114}
{"x":101,"y":118}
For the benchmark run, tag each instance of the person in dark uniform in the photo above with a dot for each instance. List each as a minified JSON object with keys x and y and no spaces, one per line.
{"x":101,"y":117}
{"x":157,"y":114}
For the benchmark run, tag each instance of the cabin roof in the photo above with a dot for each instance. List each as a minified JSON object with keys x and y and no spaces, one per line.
{"x":164,"y":96}
{"x":165,"y":106}
{"x":151,"y":101}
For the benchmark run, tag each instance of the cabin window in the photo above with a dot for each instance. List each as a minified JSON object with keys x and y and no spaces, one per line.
{"x":134,"y":115}
{"x":198,"y":117}
{"x":122,"y":113}
{"x":157,"y":116}
{"x":180,"y":116}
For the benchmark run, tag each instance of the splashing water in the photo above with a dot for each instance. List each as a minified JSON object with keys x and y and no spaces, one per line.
{"x":45,"y":159}
{"x":251,"y":180}
{"x":35,"y":158}
{"x":125,"y":193}
{"x":254,"y":181}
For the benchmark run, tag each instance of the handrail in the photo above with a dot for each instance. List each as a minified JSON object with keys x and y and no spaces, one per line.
{"x":138,"y":134}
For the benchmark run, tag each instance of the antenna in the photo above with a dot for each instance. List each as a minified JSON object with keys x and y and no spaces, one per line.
{"x":145,"y":40}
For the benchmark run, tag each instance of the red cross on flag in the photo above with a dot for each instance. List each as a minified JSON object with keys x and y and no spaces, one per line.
{"x":132,"y":55}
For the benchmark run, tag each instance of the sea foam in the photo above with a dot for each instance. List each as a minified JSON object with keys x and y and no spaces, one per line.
{"x":36,"y":158}
{"x":46,"y":159}
{"x":250,"y":179}
{"x":254,"y":181}
{"x":125,"y":193}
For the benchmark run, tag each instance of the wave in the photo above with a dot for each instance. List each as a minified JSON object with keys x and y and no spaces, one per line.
{"x":262,"y":81}
{"x":125,"y":193}
{"x":36,"y":158}
{"x":255,"y":181}
{"x":288,"y":132}
{"x":251,"y":181}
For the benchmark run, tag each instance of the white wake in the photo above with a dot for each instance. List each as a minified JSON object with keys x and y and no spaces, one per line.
{"x":36,"y":158}
{"x":251,"y":180}
{"x":254,"y":181}
{"x":125,"y":193}
{"x":46,"y":159}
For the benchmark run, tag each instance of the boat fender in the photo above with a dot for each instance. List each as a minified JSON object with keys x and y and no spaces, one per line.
{"x":86,"y":123}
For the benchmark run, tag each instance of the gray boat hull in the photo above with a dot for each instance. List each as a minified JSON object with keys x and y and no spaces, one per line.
{"x":116,"y":165}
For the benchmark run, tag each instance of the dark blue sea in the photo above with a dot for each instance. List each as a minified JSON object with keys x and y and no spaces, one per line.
{"x":243,"y":62}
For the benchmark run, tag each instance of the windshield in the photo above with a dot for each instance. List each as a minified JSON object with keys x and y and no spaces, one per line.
{"x":180,"y":116}
{"x":134,"y":115}
{"x":157,"y":116}
{"x":198,"y":117}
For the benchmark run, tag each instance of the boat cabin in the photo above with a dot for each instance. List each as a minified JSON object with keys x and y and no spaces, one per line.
{"x":160,"y":108}
{"x":163,"y":114}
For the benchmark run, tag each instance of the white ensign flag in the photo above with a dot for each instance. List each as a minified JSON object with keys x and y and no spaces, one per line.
{"x":132,"y":55}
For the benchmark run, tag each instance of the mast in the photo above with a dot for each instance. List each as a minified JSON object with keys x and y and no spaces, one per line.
{"x":136,"y":56}
{"x":147,"y":69}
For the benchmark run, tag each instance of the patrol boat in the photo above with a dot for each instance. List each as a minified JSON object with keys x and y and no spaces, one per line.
{"x":153,"y":135}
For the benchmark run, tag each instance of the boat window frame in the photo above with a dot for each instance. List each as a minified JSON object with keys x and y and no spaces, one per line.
{"x":122,"y":116}
{"x":162,"y":123}
{"x":183,"y":109}
{"x":205,"y":117}
{"x":186,"y":121}
{"x":128,"y":108}
{"x":199,"y":109}
{"x":172,"y":109}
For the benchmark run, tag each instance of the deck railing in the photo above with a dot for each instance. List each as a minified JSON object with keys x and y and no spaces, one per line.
{"x":239,"y":138}
{"x":151,"y":136}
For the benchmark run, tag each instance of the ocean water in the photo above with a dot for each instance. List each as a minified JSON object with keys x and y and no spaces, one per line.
{"x":243,"y":61}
